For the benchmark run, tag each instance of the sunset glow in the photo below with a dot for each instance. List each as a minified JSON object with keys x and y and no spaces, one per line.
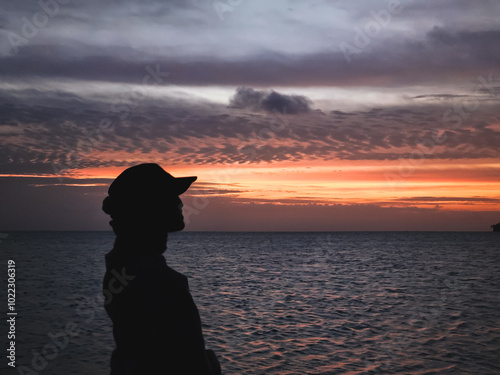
{"x":278,"y":107}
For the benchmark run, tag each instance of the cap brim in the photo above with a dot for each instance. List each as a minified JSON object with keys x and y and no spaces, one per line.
{"x":183,"y":183}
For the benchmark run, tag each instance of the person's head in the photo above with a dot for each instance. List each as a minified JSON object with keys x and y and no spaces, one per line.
{"x":144,"y":200}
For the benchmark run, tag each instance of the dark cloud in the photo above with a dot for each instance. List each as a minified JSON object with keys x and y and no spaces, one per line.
{"x":81,"y":41}
{"x":47,"y":130}
{"x":59,"y":110}
{"x":41,"y":126}
{"x":441,"y":56}
{"x":465,"y":45}
{"x":248,"y":98}
{"x":405,"y":64}
{"x":286,"y":104}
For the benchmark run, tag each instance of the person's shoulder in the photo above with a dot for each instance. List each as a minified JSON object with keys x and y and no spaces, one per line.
{"x":154,"y":269}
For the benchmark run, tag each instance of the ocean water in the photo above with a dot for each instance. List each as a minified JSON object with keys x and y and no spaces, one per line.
{"x":275,"y":303}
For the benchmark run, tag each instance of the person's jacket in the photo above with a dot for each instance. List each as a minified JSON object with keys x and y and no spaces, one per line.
{"x":156,"y":324}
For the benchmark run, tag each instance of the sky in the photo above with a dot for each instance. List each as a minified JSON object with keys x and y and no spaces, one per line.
{"x":295,"y":115}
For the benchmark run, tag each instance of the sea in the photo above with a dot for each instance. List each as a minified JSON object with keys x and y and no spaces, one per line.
{"x":272,"y":303}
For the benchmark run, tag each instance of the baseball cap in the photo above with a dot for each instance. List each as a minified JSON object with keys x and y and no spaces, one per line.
{"x":147,"y":180}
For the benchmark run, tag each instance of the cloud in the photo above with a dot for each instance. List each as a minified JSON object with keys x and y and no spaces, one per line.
{"x":441,"y":96}
{"x":68,"y":91}
{"x":267,"y":216}
{"x":195,"y":48}
{"x":439,"y":55}
{"x":53,"y":206}
{"x":248,"y":98}
{"x":71,"y":130}
{"x":403,"y":62}
{"x":295,"y":48}
{"x":449,"y":199}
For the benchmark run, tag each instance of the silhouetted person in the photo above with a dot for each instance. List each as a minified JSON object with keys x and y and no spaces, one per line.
{"x":156,"y":325}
